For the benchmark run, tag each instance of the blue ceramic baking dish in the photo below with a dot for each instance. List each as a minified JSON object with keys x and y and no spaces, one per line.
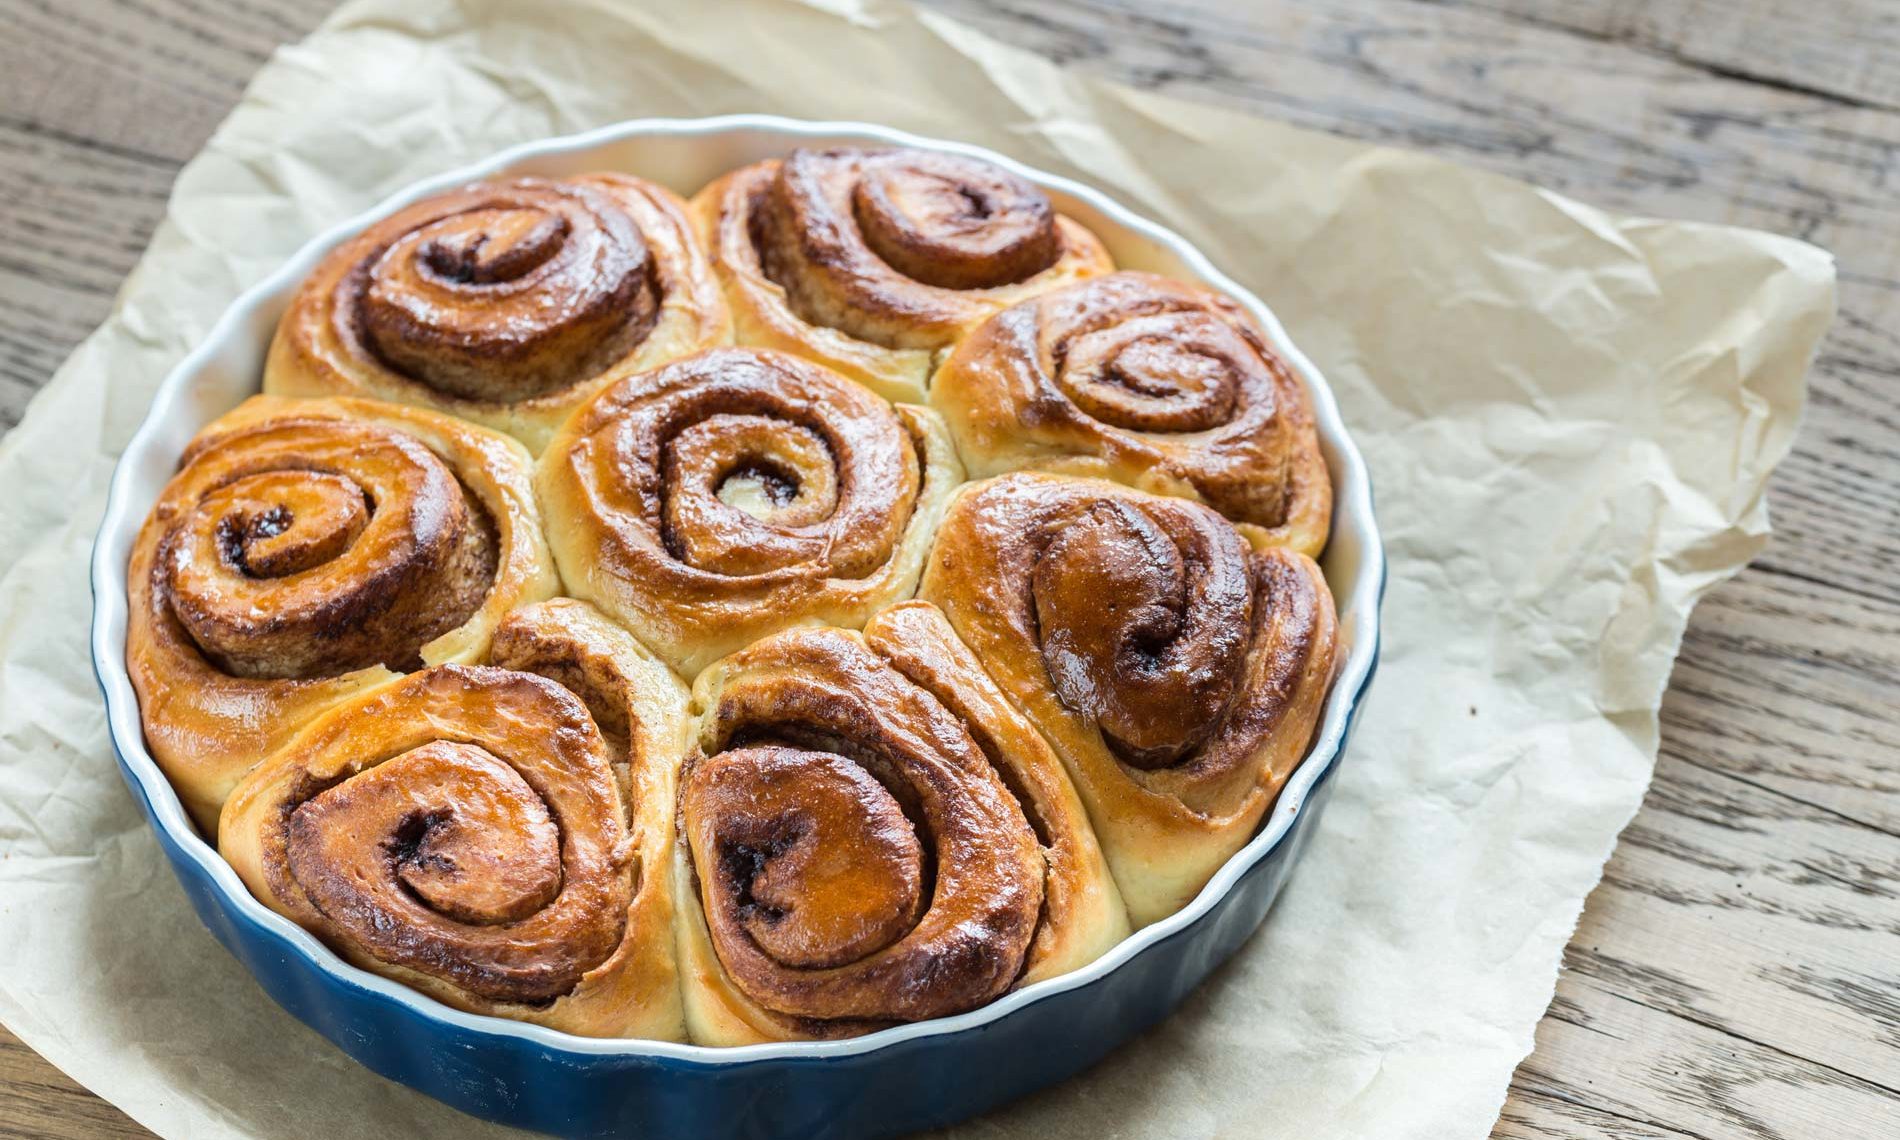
{"x":912,"y":1077}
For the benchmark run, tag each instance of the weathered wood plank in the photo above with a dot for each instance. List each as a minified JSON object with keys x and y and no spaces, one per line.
{"x":1631,"y":1070}
{"x":76,"y":215}
{"x":39,"y":1101}
{"x":1844,"y":49}
{"x":175,"y":69}
{"x":1712,"y":886}
{"x":1788,"y":684}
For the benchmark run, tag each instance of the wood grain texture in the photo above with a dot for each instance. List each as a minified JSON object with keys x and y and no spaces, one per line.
{"x":37,"y":1100}
{"x":1848,"y":50}
{"x":1737,"y":975}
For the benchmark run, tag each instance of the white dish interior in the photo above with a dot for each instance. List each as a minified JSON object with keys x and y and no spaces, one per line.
{"x":685,"y":154}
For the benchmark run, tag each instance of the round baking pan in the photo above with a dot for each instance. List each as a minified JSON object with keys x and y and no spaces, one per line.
{"x":914,"y":1076}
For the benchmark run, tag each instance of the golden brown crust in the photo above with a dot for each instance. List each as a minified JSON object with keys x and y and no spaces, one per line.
{"x":304,"y":552}
{"x":477,"y":832}
{"x":849,"y":857}
{"x":1168,"y":387}
{"x":1178,"y":673}
{"x":737,"y":492}
{"x":505,"y":303}
{"x":1082,"y":913}
{"x":871,"y":262}
{"x":640,"y":708}
{"x":459,"y":829}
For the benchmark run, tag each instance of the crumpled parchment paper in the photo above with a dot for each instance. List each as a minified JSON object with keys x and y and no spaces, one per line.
{"x":1569,"y":416}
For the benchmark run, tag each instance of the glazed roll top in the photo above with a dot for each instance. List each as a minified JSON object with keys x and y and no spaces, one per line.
{"x":305,"y":551}
{"x":497,"y":837}
{"x":506,"y":303}
{"x":1177,"y":671}
{"x":1082,"y":913}
{"x":854,"y":858}
{"x":871,"y":261}
{"x":458,"y":828}
{"x":1164,"y":386}
{"x":736,"y":492}
{"x":639,"y":707}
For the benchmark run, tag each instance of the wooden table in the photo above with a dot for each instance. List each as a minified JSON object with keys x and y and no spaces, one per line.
{"x":1737,"y":974}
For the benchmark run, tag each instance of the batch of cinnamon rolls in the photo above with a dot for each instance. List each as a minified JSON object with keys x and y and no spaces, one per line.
{"x":831,"y":602}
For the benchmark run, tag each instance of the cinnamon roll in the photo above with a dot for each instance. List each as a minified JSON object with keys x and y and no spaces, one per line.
{"x":463,"y":830}
{"x":306,"y":551}
{"x":871,"y":262}
{"x":1161,"y":385}
{"x":736,"y":492}
{"x":640,"y":710}
{"x":1178,"y":672}
{"x":1082,"y":912}
{"x":850,"y":858}
{"x":505,"y":303}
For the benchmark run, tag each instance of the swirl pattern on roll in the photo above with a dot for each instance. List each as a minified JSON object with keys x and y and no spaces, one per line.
{"x":640,"y":710}
{"x":1082,"y":913}
{"x":460,"y":829}
{"x":506,"y":303}
{"x":1162,"y":385}
{"x":1178,"y":672}
{"x":306,"y":550}
{"x":872,"y":261}
{"x":736,"y":492}
{"x":854,"y":858}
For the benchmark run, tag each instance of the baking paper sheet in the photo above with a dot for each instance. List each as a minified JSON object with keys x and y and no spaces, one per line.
{"x":1569,"y":416}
